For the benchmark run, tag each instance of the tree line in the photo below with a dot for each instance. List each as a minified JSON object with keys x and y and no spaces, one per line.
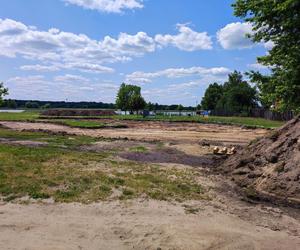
{"x":235,"y":96}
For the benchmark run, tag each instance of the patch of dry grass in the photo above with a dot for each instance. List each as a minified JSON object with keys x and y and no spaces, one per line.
{"x":69,"y":175}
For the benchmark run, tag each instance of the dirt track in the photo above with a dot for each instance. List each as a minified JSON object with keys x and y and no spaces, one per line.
{"x":156,"y":131}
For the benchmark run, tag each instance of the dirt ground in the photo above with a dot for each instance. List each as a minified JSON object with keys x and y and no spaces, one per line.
{"x":156,"y":131}
{"x":225,"y":221}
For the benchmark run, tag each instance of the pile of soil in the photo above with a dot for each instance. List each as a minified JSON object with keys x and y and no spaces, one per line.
{"x":77,"y":112}
{"x":269,"y":168}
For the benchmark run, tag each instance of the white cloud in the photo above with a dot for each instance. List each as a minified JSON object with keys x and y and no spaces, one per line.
{"x":129,"y":45}
{"x":71,"y":78}
{"x":176,"y":73}
{"x":61,"y":49}
{"x":36,"y":79}
{"x":257,"y":66}
{"x":89,"y":67}
{"x":55,"y":50}
{"x":233,"y":36}
{"x":114,"y":6}
{"x":269,"y":45}
{"x":84,"y":67}
{"x":70,"y":87}
{"x":40,"y":68}
{"x":187,"y":39}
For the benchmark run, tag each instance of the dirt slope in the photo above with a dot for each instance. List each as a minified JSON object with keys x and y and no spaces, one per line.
{"x":270,"y":167}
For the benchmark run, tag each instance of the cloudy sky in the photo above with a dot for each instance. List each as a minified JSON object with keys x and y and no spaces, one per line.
{"x":81,"y":50}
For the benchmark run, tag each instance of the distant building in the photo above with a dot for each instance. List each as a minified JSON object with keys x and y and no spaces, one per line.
{"x":175,"y":113}
{"x":160,"y":112}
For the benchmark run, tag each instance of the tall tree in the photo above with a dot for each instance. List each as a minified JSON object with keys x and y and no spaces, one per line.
{"x":212,"y":95}
{"x":276,"y":22}
{"x":137,"y":102}
{"x":3,"y":92}
{"x":238,"y":95}
{"x":129,"y":98}
{"x":10,"y":104}
{"x":234,"y":96}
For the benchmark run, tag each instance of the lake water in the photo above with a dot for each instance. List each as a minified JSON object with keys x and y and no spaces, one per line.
{"x":11,"y":111}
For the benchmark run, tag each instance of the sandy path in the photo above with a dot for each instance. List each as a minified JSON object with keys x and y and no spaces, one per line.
{"x":182,"y":132}
{"x":136,"y":225}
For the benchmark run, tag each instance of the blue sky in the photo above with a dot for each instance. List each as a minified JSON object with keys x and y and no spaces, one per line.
{"x":82,"y":50}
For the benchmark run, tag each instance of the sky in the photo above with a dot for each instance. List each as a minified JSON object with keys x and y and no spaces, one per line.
{"x":82,"y":50}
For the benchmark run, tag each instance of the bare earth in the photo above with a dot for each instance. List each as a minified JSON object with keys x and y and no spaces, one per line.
{"x":224,"y":222}
{"x":156,"y":131}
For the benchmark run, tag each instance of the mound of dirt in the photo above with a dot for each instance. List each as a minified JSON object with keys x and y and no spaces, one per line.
{"x":77,"y":112}
{"x":269,"y":168}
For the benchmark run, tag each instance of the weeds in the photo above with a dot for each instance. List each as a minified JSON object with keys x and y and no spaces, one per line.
{"x":61,"y":171}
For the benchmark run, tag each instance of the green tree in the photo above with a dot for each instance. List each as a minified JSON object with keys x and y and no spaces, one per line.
{"x":32,"y":105}
{"x":11,"y":104}
{"x":3,"y":92}
{"x":129,"y":98}
{"x":238,"y":96}
{"x":180,"y":107}
{"x":277,"y":22}
{"x":150,"y":106}
{"x":46,"y":106}
{"x":212,"y":95}
{"x":137,"y":102}
{"x":235,"y":95}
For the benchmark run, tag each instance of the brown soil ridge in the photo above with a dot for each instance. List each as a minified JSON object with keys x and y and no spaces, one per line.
{"x":269,"y":168}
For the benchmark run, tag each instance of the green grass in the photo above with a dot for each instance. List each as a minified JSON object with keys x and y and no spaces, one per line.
{"x":24,"y":116}
{"x":62,"y":171}
{"x":83,"y":122}
{"x":139,"y":149}
{"x":60,"y":141}
{"x":79,"y":123}
{"x":243,"y":121}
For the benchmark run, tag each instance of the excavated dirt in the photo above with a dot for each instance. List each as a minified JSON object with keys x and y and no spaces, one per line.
{"x":169,"y":155}
{"x":154,"y":131}
{"x":270,"y":168}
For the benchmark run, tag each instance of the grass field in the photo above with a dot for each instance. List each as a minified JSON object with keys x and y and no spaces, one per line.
{"x":62,"y":170}
{"x":244,"y":121}
{"x":84,"y":123}
{"x":23,"y":116}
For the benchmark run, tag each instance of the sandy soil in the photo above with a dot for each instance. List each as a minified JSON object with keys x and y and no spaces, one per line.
{"x":161,"y":131}
{"x":224,"y":222}
{"x":143,"y":224}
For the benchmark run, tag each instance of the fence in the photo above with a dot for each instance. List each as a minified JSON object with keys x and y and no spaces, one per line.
{"x":258,"y":112}
{"x":272,"y":115}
